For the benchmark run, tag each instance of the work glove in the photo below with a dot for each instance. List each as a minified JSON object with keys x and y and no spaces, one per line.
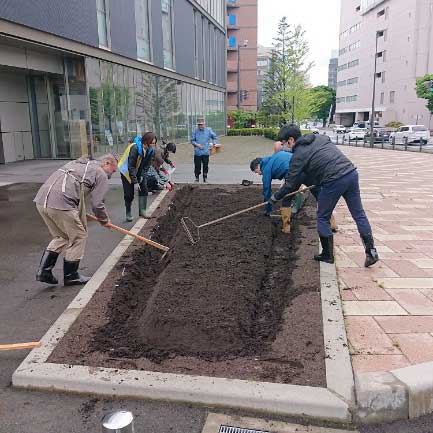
{"x":273,"y":200}
{"x":172,"y":165}
{"x":165,"y":172}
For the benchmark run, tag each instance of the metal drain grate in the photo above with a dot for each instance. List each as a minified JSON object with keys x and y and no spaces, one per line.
{"x":231,"y":429}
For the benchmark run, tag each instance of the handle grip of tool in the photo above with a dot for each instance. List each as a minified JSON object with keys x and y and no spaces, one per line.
{"x":127,"y":232}
{"x":257,"y":206}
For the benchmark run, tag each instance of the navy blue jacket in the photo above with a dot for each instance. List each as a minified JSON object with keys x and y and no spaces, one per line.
{"x":317,"y":159}
{"x":274,"y":167}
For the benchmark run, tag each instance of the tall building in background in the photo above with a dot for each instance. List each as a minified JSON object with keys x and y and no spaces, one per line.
{"x":241,"y":59}
{"x":403,"y":30}
{"x":264,"y":55}
{"x":85,"y":76}
{"x":332,"y":70}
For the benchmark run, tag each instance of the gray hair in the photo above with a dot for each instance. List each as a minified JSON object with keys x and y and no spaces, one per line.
{"x":110,"y":157}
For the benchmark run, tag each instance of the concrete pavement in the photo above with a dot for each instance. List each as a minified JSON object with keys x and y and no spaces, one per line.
{"x":389,"y":199}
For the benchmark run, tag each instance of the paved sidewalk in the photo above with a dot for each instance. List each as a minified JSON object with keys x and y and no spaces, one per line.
{"x":389,"y":307}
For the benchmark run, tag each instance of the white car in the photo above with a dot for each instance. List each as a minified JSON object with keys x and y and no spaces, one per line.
{"x":357,"y":133}
{"x":339,"y":129}
{"x":413,"y":134}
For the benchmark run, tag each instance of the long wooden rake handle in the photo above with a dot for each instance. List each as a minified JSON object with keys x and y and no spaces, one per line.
{"x":19,"y":346}
{"x":127,"y":232}
{"x":257,"y":206}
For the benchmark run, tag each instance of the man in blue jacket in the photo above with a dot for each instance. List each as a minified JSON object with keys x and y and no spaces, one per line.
{"x":274,"y":167}
{"x":202,"y":139}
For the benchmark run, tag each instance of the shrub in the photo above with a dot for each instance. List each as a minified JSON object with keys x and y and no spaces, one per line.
{"x":394,"y":124}
{"x":271,"y":133}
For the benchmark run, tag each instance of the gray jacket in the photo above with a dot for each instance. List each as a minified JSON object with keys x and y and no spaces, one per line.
{"x":317,"y":159}
{"x":62,"y":189}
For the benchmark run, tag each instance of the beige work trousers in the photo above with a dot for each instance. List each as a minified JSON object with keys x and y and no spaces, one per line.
{"x":68,"y":232}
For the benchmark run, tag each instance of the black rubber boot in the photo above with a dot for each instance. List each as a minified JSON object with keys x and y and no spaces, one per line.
{"x":128,"y":212}
{"x":327,"y":254}
{"x":71,"y":275}
{"x":371,"y":255}
{"x":45,"y":270}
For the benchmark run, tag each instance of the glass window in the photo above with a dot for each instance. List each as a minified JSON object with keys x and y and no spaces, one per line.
{"x":232,"y":20}
{"x":232,"y":41}
{"x":196,"y":42}
{"x":103,"y":23}
{"x":167,"y":32}
{"x":392,"y":97}
{"x":142,"y":29}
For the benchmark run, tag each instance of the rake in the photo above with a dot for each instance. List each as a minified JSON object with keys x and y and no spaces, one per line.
{"x":192,"y":230}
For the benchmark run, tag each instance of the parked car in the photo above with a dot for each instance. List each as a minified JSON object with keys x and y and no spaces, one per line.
{"x":357,"y":133}
{"x":312,"y":130}
{"x":413,"y":134}
{"x":339,"y":129}
{"x":379,"y":134}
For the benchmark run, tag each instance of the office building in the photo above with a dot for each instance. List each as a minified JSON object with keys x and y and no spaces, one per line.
{"x":83,"y":77}
{"x":242,"y":54}
{"x":332,"y":70}
{"x":264,"y":55}
{"x":403,"y":32}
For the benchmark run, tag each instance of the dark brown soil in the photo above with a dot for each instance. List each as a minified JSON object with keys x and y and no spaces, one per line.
{"x":242,"y":303}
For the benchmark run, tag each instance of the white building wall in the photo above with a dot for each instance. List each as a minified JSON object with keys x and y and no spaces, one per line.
{"x":407,"y":44}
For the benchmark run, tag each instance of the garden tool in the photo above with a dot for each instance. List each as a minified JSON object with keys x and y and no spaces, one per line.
{"x":19,"y":346}
{"x":192,"y":230}
{"x":127,"y":232}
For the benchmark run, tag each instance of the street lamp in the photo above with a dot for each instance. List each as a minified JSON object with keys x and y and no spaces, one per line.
{"x":243,"y":45}
{"x":379,"y":33}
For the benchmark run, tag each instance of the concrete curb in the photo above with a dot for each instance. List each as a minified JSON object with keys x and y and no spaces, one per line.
{"x":332,"y":403}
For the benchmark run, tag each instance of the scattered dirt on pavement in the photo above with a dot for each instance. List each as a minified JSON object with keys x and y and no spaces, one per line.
{"x":242,"y":303}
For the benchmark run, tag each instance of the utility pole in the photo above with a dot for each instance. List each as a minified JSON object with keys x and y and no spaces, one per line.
{"x":378,"y":34}
{"x":244,"y":44}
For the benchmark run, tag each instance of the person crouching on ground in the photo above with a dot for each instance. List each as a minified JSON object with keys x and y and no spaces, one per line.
{"x":319,"y":160}
{"x":158,"y":175}
{"x":133,"y":166}
{"x":61,"y":203}
{"x":202,"y":139}
{"x":274,"y":167}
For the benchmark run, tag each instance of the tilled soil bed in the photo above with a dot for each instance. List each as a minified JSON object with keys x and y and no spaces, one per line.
{"x":244,"y":302}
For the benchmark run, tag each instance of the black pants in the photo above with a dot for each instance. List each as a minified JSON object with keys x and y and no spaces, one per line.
{"x":128,"y":188}
{"x":198,"y":161}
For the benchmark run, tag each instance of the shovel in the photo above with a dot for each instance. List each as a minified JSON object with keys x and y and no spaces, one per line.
{"x":189,"y":226}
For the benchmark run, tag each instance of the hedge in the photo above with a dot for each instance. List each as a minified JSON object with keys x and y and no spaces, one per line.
{"x":271,"y":133}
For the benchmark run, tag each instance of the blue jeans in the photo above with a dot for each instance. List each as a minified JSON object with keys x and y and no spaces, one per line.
{"x":329,"y":194}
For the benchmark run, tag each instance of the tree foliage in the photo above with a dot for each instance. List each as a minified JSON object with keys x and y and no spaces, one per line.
{"x":423,"y":90}
{"x":322,"y":100}
{"x":286,"y":83}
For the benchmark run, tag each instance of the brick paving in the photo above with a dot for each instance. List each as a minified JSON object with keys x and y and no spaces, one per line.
{"x":388,"y":308}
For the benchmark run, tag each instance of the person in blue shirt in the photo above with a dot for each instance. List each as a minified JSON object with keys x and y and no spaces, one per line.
{"x":274,"y":167}
{"x":202,"y":139}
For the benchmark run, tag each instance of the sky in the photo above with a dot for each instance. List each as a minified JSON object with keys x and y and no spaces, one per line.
{"x":319,"y":18}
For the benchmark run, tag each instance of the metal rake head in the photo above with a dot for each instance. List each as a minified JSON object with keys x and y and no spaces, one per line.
{"x":189,"y":226}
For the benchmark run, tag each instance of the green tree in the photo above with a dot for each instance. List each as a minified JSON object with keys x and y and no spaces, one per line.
{"x":240,"y":118}
{"x":322,"y":100}
{"x":286,"y":85}
{"x":424,"y":90}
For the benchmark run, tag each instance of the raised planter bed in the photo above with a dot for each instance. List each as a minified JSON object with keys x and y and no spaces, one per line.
{"x":242,"y":303}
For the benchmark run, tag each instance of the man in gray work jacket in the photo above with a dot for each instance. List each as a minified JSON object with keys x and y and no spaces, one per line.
{"x":61,"y":204}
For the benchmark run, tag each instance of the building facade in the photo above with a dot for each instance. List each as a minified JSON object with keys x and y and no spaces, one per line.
{"x":264,"y":55}
{"x":403,"y":30}
{"x":332,"y":70}
{"x":80,"y":77}
{"x":242,"y":54}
